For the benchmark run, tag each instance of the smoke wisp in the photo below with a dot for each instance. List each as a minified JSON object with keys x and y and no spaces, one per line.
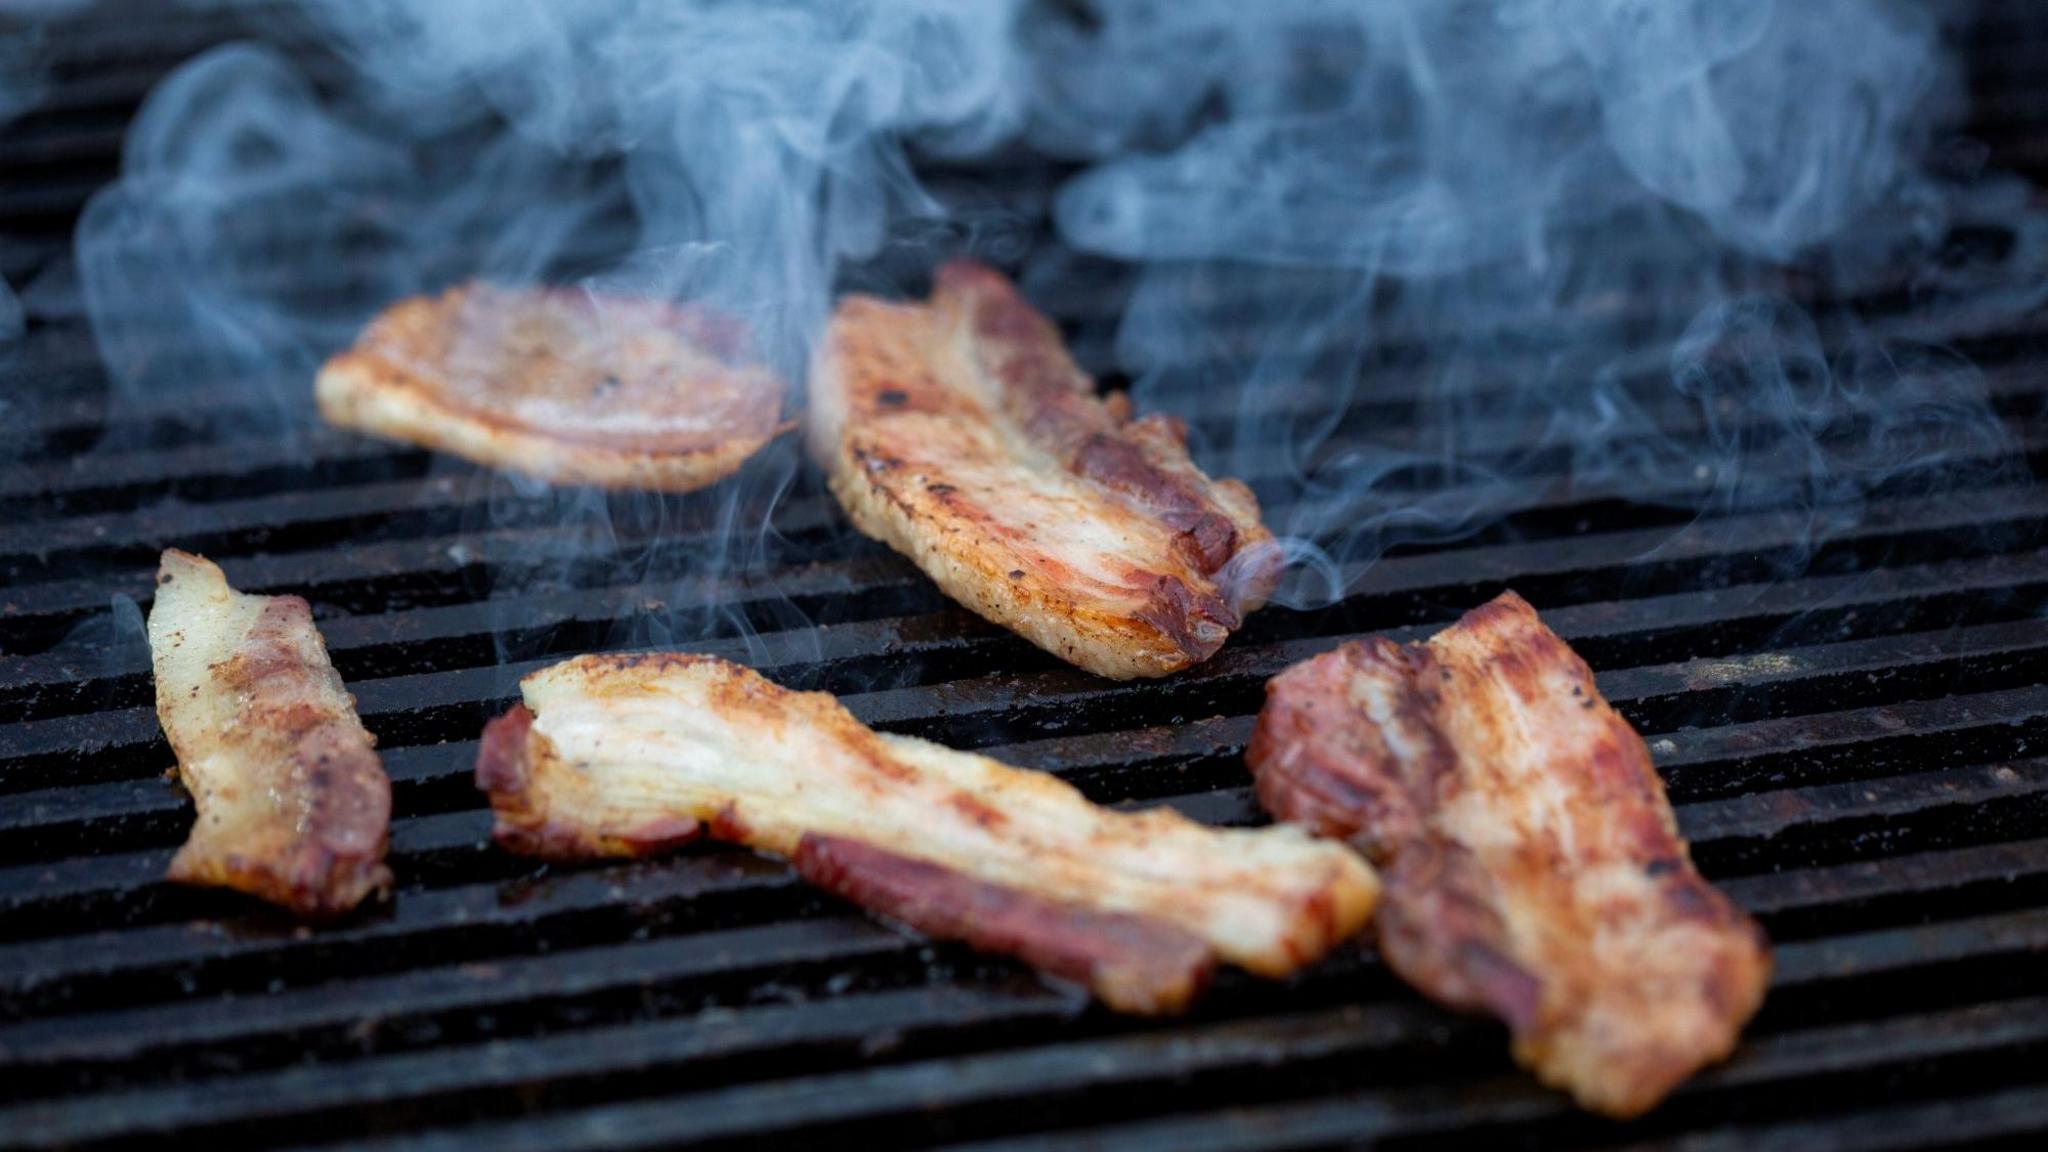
{"x":1562,"y":244}
{"x":24,"y":84}
{"x":1583,"y":221}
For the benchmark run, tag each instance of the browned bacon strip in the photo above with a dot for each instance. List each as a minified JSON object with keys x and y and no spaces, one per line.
{"x":960,"y":433}
{"x":293,"y":803}
{"x":1533,"y":866}
{"x":630,"y":755}
{"x":565,"y":385}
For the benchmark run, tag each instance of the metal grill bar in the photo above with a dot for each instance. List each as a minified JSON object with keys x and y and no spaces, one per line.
{"x":1875,"y":961}
{"x":125,"y":742}
{"x":1539,"y":509}
{"x":1220,"y":1060}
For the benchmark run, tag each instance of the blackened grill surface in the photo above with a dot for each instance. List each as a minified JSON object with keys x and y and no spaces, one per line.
{"x":1856,"y":754}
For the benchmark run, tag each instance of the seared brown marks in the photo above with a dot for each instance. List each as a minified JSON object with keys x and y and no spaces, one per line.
{"x":1136,"y":964}
{"x":1097,"y":440}
{"x":329,"y":862}
{"x":978,"y":810}
{"x":1055,"y":403}
{"x":1317,"y":765}
{"x":960,"y":432}
{"x":1042,"y":389}
{"x":304,"y":820}
{"x":1207,"y":537}
{"x":1197,"y":622}
{"x":516,"y":767}
{"x":613,"y":745}
{"x":1323,"y":762}
{"x":336,"y":856}
{"x":1533,"y":867}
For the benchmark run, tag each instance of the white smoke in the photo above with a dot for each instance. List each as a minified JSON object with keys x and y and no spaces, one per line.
{"x":24,"y":84}
{"x":1437,"y":179}
{"x":480,"y":138}
{"x":1319,"y":195}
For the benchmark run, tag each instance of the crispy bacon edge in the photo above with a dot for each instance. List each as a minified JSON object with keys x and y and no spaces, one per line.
{"x":1372,"y":781}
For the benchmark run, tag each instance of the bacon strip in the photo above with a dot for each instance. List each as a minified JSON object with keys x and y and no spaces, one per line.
{"x":960,"y":433}
{"x":629,"y":755}
{"x":1533,"y":866}
{"x":570,"y":386}
{"x":294,"y":806}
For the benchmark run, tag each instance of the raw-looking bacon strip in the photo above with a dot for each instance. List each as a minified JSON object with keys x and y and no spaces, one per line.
{"x":1533,"y":867}
{"x":293,"y":804}
{"x":630,"y":755}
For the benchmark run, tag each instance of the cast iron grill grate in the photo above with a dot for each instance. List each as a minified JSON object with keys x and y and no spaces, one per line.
{"x":1855,"y":752}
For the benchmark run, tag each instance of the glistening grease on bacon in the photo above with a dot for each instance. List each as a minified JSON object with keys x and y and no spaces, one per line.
{"x":960,"y":432}
{"x":634,"y":754}
{"x":1533,"y":867}
{"x":293,"y":804}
